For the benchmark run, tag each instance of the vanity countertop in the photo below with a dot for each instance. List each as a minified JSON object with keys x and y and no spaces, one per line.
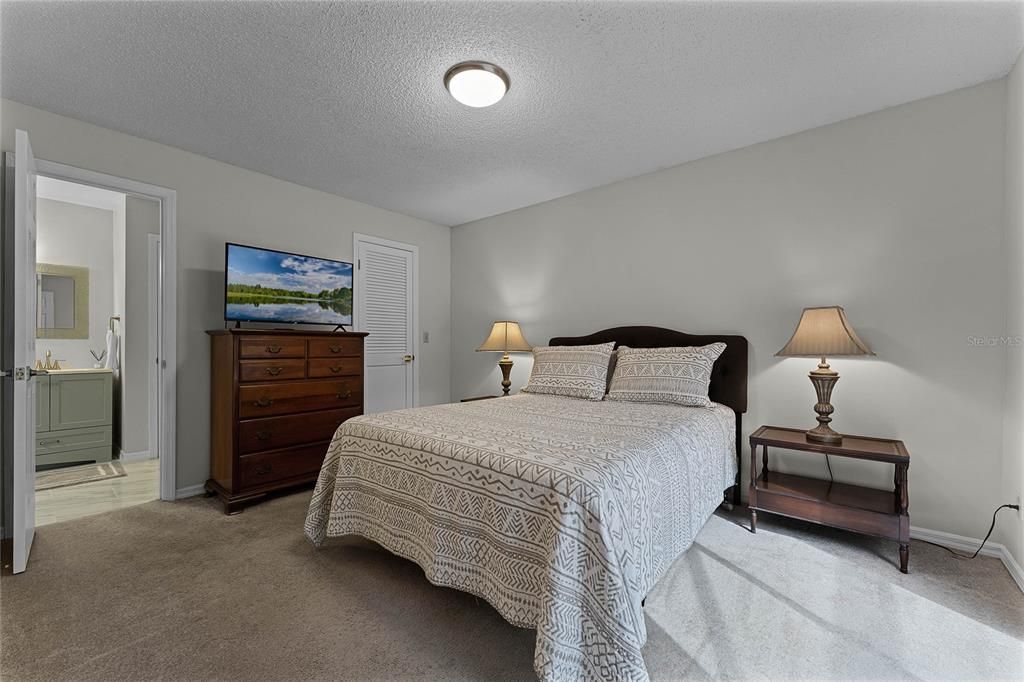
{"x":82,"y":370}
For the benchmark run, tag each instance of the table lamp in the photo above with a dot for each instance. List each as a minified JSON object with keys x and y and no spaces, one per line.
{"x":824,"y":332}
{"x":505,"y":337}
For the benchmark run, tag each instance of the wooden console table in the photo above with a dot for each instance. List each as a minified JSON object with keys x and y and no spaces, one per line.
{"x":882,"y":513}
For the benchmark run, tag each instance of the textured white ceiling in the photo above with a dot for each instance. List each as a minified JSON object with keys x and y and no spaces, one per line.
{"x":347,"y":97}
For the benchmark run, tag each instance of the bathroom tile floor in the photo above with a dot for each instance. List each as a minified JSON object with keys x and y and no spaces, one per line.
{"x":142,"y":484}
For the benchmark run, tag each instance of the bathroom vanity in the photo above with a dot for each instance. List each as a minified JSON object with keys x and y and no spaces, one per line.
{"x":74,"y":416}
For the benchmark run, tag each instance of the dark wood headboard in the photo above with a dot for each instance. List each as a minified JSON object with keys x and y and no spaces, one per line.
{"x":728,"y":377}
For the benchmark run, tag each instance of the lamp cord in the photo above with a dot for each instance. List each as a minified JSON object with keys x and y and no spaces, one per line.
{"x":958,"y":555}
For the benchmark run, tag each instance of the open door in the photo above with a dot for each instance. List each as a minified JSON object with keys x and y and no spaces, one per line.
{"x":23,"y":488}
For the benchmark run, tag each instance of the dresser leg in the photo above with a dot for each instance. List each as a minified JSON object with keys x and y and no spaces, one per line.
{"x":904,"y":557}
{"x":753,"y":521}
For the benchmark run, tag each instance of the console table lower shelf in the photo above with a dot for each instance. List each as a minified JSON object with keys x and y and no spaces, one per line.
{"x":882,"y":513}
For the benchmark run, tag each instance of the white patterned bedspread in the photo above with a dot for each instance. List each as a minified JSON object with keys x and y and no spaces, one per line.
{"x":562,"y":513}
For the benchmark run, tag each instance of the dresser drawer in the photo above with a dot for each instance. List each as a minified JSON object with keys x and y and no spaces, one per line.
{"x":269,"y":467}
{"x":265,"y":400}
{"x":271,"y":370}
{"x":330,"y":348}
{"x":335,"y":367}
{"x":272,"y":433}
{"x":271,"y":347}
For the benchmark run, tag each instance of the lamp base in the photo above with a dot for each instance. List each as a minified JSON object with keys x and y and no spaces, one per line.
{"x":506,"y":370}
{"x":825,"y":435}
{"x":824,"y":379}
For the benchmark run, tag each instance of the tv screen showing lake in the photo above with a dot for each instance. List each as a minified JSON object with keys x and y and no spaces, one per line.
{"x":270,"y":286}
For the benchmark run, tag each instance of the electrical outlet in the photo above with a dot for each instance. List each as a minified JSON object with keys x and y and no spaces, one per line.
{"x":426,"y":337}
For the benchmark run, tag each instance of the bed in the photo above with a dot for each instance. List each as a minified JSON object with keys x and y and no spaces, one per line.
{"x":562,"y":513}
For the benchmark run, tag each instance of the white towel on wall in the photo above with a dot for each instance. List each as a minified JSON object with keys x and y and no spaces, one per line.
{"x":112,"y":355}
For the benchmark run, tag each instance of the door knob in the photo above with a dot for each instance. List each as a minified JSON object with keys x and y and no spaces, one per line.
{"x":408,"y":358}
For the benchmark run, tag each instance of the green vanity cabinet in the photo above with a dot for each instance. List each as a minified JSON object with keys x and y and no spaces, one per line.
{"x":74,"y":417}
{"x":42,"y":403}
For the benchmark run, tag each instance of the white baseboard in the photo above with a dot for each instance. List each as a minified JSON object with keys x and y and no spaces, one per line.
{"x":189,"y":491}
{"x":962,"y":543}
{"x":135,"y":456}
{"x":1013,"y":567}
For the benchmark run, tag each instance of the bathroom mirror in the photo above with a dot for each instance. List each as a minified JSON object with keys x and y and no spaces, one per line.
{"x":62,"y":302}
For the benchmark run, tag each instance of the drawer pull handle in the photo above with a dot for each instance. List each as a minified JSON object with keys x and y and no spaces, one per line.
{"x":264,"y":402}
{"x":49,"y":442}
{"x":273,"y":371}
{"x":263,"y":469}
{"x":263,"y":435}
{"x":335,"y":349}
{"x":344,"y":396}
{"x":335,"y":368}
{"x":274,"y":349}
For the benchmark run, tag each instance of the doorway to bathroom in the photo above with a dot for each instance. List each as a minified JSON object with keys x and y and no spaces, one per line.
{"x":64,"y":411}
{"x":97,"y":260}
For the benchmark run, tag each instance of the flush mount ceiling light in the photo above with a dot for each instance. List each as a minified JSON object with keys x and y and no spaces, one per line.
{"x":476,"y":84}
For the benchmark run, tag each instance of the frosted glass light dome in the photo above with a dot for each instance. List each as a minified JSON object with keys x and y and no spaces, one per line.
{"x":476,"y":84}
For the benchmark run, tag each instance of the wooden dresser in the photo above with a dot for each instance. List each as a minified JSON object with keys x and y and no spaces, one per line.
{"x":276,"y":398}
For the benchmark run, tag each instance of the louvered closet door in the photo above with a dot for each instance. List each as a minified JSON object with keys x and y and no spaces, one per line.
{"x":385,"y":295}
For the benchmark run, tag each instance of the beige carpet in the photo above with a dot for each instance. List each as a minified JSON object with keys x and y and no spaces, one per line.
{"x":85,"y":473}
{"x":178,"y":591}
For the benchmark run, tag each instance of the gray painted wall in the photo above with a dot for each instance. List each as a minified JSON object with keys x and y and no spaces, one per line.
{"x":895,"y":215}
{"x":142,"y":218}
{"x":1010,"y":527}
{"x":70,"y":234}
{"x":218,"y":203}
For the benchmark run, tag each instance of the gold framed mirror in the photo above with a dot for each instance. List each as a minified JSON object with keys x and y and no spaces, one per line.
{"x":62,"y":301}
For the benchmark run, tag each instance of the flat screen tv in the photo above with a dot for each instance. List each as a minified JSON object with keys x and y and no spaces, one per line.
{"x":261,"y":285}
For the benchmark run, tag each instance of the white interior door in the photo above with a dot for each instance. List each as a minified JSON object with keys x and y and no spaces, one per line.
{"x":23,"y":491}
{"x":385,"y":299}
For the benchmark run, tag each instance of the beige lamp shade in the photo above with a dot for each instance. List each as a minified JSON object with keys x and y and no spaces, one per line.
{"x":824,"y":332}
{"x":505,"y":337}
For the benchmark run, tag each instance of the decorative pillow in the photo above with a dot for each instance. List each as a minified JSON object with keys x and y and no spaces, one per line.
{"x":611,"y":370}
{"x":571,"y":371}
{"x":665,"y":375}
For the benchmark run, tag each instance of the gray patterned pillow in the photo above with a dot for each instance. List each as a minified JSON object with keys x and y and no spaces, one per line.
{"x":571,"y":371}
{"x":665,"y":375}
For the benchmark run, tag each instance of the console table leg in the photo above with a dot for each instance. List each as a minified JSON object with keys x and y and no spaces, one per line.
{"x":752,"y":499}
{"x":902,"y":507}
